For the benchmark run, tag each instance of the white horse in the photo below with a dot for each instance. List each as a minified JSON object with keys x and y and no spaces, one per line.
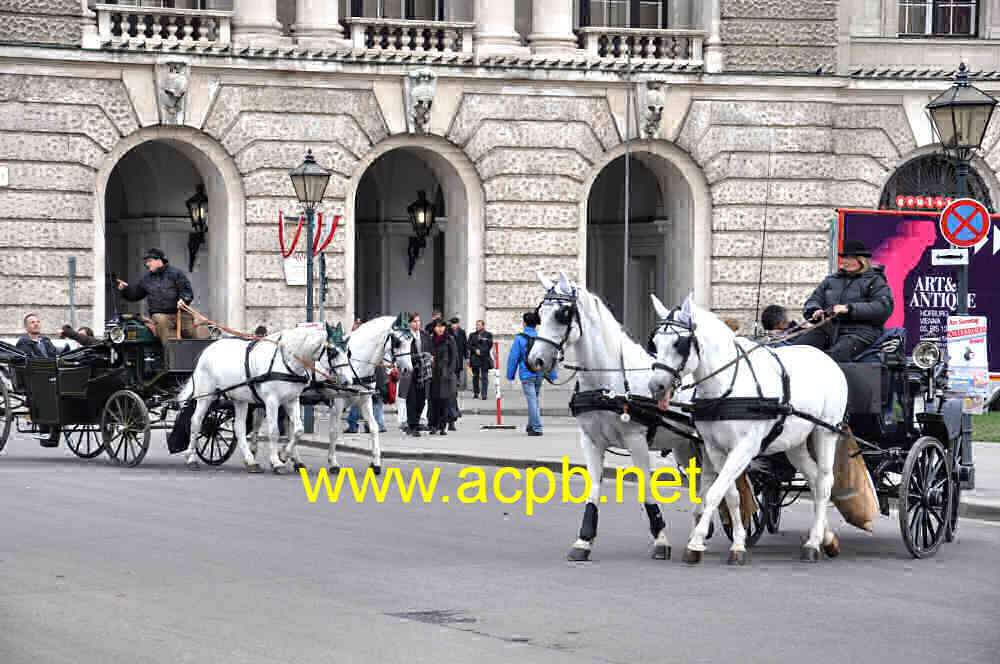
{"x":281,"y":360}
{"x":692,"y":340}
{"x":367,"y":347}
{"x":575,"y":320}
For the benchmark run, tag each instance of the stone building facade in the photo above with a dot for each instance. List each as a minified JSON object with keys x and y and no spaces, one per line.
{"x":752,"y":120}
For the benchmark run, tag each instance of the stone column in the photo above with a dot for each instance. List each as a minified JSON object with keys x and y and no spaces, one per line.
{"x":317,"y":24}
{"x":992,"y":16}
{"x":495,"y":33}
{"x":255,"y":23}
{"x":552,"y":27}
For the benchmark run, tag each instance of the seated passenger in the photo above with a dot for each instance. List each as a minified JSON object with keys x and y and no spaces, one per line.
{"x":774,"y":318}
{"x":84,"y":336}
{"x":859,"y":296}
{"x":34,"y":344}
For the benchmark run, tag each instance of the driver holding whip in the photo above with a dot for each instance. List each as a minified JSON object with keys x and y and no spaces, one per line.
{"x":165,"y":288}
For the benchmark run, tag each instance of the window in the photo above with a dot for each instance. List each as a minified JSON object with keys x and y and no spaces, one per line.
{"x":417,"y":10}
{"x":623,"y":13}
{"x":944,"y":18}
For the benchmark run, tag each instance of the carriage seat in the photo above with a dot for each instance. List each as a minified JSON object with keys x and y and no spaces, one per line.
{"x":891,"y":345}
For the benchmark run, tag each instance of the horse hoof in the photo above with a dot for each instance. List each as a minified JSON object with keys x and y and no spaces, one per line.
{"x":193,"y":465}
{"x":375,"y":469}
{"x":832,"y":549}
{"x":254,"y":468}
{"x":809,"y":555}
{"x":661,"y":552}
{"x":333,"y":470}
{"x":282,"y":456}
{"x":692,"y":557}
{"x":578,"y":555}
{"x":279,"y":470}
{"x":737,"y":558}
{"x":300,"y":466}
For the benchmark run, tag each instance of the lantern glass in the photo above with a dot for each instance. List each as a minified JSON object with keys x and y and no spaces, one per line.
{"x":961,"y":114}
{"x":421,"y":213}
{"x":196,"y":208}
{"x":309,"y":181}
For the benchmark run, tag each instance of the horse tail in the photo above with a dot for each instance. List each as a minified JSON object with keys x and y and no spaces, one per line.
{"x":187,"y":391}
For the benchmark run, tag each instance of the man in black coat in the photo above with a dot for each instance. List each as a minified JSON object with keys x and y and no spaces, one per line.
{"x":412,"y":386}
{"x":480,"y":345}
{"x":164,"y":288}
{"x":859,"y":296}
{"x":34,"y":344}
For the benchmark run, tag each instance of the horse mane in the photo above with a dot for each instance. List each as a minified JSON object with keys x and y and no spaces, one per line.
{"x":304,"y":342}
{"x":633,"y":355}
{"x":370,"y":327}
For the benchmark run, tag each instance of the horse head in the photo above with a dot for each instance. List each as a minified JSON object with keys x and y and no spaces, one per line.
{"x":676,"y":347}
{"x":558,"y":325}
{"x":336,"y":361}
{"x":400,"y":342}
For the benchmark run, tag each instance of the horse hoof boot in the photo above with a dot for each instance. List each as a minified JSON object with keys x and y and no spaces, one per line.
{"x":833,"y":548}
{"x":737,"y":558}
{"x":301,"y":466}
{"x":578,"y":555}
{"x":692,"y":557}
{"x":333,"y":470}
{"x":375,"y":469}
{"x":661,"y":552}
{"x":254,"y":468}
{"x":809,"y":555}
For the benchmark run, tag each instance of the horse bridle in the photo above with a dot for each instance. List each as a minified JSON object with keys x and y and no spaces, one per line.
{"x":390,"y":340}
{"x":683,"y":344}
{"x":565,"y":315}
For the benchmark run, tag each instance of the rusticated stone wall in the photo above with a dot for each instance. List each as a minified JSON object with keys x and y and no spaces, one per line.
{"x":41,"y":21}
{"x":779,"y":35}
{"x":793,"y":163}
{"x":253,"y":124}
{"x":532,"y":153}
{"x":54,"y":134}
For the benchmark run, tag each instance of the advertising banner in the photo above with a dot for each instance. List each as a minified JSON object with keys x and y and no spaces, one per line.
{"x":968,"y":362}
{"x":926,"y":294}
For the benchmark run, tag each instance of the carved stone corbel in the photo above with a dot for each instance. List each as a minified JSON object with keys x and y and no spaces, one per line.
{"x":171,"y":89}
{"x":418,"y":95}
{"x":651,"y":101}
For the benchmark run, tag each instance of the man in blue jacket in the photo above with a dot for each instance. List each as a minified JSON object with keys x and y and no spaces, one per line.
{"x":531,"y":382}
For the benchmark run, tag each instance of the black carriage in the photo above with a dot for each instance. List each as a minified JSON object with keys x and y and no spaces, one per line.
{"x":109,"y":397}
{"x":914,"y":438}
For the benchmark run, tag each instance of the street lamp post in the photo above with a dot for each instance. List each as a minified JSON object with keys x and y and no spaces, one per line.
{"x":310,"y":180}
{"x":960,"y":116}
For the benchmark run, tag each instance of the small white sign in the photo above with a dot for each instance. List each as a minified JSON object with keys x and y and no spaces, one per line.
{"x":968,"y":364}
{"x":295,"y":270}
{"x":953,"y":256}
{"x":4,"y":176}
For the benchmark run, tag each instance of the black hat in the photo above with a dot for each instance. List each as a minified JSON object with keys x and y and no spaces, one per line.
{"x":155,"y":253}
{"x":855,"y":248}
{"x":454,"y":319}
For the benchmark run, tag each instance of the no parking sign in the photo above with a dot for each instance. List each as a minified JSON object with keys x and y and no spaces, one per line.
{"x":965,"y":223}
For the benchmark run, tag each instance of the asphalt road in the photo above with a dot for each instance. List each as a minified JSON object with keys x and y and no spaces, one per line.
{"x":157,"y":564}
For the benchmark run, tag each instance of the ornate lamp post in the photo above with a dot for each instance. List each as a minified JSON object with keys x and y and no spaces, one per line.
{"x":421,"y":213}
{"x":960,"y":116}
{"x":196,"y":210}
{"x":309,"y":180}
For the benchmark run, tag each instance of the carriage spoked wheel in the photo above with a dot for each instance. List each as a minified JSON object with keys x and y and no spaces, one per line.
{"x":84,"y":440}
{"x":125,"y":428}
{"x":217,"y":439}
{"x":7,"y":415}
{"x":772,"y":508}
{"x":925,"y":491}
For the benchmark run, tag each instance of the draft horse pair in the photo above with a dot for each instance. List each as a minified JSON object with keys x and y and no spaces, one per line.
{"x":691,"y":344}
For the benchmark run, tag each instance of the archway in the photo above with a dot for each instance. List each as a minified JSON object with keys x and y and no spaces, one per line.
{"x":140,"y":202}
{"x":669,"y":231}
{"x":448,"y":274}
{"x":934,"y":174}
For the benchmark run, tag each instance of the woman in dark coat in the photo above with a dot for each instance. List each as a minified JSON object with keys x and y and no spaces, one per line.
{"x":444,"y":380}
{"x":859,"y":296}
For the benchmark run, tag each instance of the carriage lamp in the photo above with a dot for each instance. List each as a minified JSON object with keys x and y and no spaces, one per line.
{"x":421,"y":212}
{"x":116,"y":334}
{"x":926,"y":354}
{"x":960,"y":116}
{"x":196,"y":210}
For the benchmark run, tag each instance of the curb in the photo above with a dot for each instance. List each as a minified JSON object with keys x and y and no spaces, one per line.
{"x":970,"y":509}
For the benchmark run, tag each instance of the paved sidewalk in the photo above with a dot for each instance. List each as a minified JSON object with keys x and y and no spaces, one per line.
{"x":473,"y":445}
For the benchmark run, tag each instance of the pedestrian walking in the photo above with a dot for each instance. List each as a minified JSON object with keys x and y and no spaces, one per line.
{"x":444,"y":380}
{"x":531,"y":382}
{"x":458,"y":334}
{"x":412,"y":386}
{"x":478,"y":348}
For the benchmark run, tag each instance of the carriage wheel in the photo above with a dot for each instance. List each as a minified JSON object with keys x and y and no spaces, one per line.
{"x":925,"y":490}
{"x":772,"y":508}
{"x":7,"y":414}
{"x":217,"y":439}
{"x":125,"y":428}
{"x":84,"y":440}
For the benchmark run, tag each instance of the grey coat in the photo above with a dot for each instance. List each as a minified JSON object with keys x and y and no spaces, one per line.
{"x":444,"y":380}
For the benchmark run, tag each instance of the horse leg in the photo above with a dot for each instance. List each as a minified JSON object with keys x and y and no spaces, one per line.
{"x":240,"y":409}
{"x":294,"y":434}
{"x":594,"y":457}
{"x":703,"y":480}
{"x":271,"y":404}
{"x":336,"y":408}
{"x":819,"y":475}
{"x":729,"y":468}
{"x":640,"y":459}
{"x":258,"y":416}
{"x":200,"y":410}
{"x":368,"y":412}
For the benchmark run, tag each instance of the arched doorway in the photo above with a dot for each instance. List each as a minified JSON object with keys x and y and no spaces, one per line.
{"x":142,"y":191}
{"x":662,"y":255}
{"x":448,"y":273}
{"x":932,"y":174}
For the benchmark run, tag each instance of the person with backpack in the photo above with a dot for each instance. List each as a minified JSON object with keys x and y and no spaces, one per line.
{"x":531,"y":382}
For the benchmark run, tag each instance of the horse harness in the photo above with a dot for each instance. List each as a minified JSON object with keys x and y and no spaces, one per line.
{"x":567,"y":313}
{"x":289,"y":377}
{"x":641,"y":410}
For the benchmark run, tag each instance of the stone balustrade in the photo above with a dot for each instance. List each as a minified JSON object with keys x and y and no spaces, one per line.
{"x":410,"y":36}
{"x":130,"y":24}
{"x":646,"y":44}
